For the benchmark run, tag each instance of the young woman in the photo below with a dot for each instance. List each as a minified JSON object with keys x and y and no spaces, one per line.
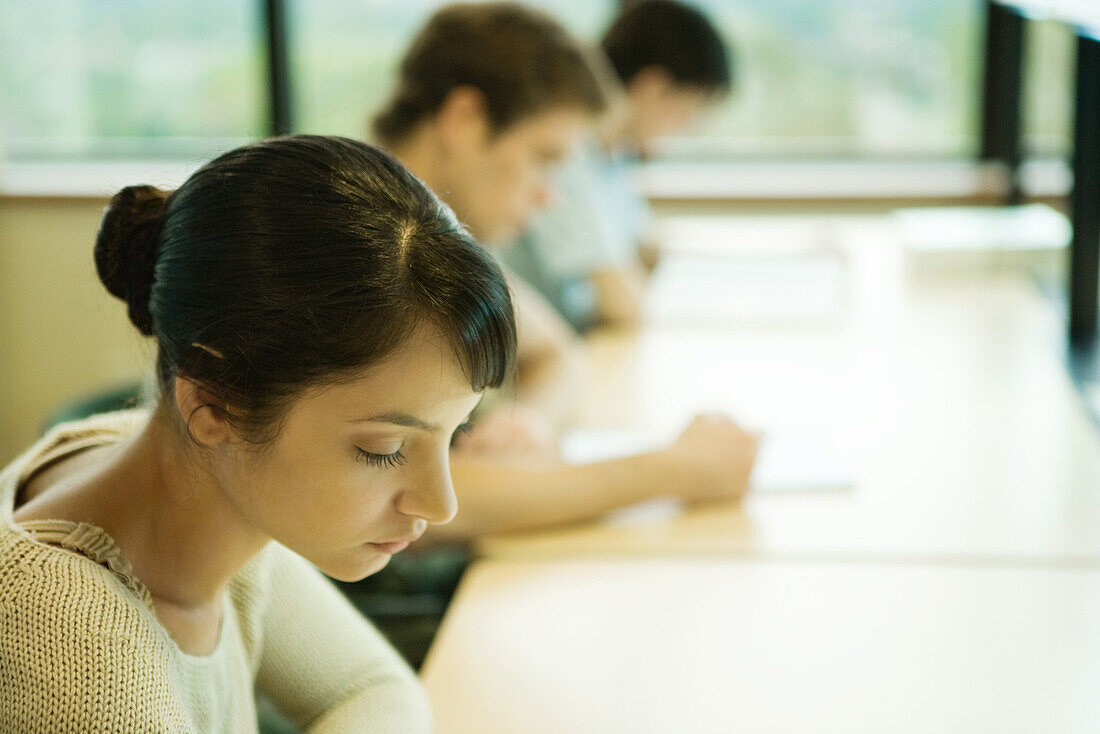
{"x":490,"y":98}
{"x":323,"y":325}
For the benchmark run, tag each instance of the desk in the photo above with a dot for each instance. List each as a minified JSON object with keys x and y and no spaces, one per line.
{"x":719,"y":646}
{"x":955,"y":588}
{"x":967,"y":439}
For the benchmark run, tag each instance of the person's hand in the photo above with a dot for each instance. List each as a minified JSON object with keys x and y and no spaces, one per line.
{"x":508,"y":430}
{"x":713,"y":458}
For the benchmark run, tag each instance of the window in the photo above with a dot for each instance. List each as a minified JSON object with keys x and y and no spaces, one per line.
{"x":140,"y":79}
{"x":871,"y":78}
{"x":841,"y":78}
{"x":1048,"y":88}
{"x":129,"y":79}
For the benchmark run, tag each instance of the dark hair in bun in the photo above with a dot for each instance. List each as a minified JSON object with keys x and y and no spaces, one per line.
{"x":295,"y":262}
{"x":126,"y":248}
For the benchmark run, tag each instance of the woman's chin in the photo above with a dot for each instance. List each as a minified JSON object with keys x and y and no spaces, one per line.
{"x":352,"y":569}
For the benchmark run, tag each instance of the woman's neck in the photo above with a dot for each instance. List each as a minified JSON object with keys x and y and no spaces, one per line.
{"x":167,"y":512}
{"x":180,"y":528}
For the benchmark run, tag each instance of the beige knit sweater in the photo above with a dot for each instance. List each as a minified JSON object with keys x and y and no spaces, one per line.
{"x":81,"y":649}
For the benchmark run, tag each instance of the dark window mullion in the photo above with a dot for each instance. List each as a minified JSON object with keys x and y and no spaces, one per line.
{"x":1002,"y":91}
{"x":1084,"y":277}
{"x":280,"y":118}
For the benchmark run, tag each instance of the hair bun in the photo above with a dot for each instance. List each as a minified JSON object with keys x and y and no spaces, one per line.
{"x":126,"y":248}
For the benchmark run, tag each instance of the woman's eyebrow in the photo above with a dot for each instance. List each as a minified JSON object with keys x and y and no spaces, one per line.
{"x":400,"y":419}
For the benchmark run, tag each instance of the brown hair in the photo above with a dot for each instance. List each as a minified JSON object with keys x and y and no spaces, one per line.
{"x":519,"y":58}
{"x":296,"y":262}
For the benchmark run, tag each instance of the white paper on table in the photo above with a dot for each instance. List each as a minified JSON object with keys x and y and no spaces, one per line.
{"x":982,"y":236}
{"x":787,"y":461}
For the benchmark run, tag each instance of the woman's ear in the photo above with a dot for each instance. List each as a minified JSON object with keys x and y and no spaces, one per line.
{"x":203,"y":413}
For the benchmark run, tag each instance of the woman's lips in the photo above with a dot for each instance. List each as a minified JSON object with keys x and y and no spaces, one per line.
{"x":390,"y":548}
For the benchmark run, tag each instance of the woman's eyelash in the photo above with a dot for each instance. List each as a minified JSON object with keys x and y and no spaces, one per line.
{"x":395,"y":459}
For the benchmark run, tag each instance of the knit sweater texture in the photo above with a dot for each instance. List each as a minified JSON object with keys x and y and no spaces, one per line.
{"x":81,"y":649}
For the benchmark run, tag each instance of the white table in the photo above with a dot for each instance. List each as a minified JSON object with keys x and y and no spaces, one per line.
{"x":966,"y":438}
{"x":718,"y":646}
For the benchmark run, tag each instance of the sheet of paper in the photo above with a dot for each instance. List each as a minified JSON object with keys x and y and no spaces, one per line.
{"x":974,"y":229}
{"x":787,"y":461}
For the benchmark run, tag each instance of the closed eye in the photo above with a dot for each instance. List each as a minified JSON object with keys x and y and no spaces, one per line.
{"x":383,"y":460}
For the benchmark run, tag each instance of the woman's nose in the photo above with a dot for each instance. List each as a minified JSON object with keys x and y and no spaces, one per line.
{"x":431,"y":496}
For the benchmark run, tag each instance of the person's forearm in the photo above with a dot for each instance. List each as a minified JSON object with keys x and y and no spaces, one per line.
{"x":387,"y":703}
{"x":500,"y":495}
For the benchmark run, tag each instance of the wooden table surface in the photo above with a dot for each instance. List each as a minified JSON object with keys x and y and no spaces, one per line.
{"x":954,"y":588}
{"x":945,"y":391}
{"x":719,"y":646}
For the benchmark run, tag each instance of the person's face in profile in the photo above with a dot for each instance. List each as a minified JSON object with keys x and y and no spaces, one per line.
{"x":359,"y":468}
{"x":508,"y":176}
{"x":659,"y":107}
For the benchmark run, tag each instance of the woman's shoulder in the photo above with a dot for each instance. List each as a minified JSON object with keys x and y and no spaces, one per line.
{"x":62,"y":441}
{"x":96,"y":429}
{"x":75,"y":644}
{"x":64,"y":592}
